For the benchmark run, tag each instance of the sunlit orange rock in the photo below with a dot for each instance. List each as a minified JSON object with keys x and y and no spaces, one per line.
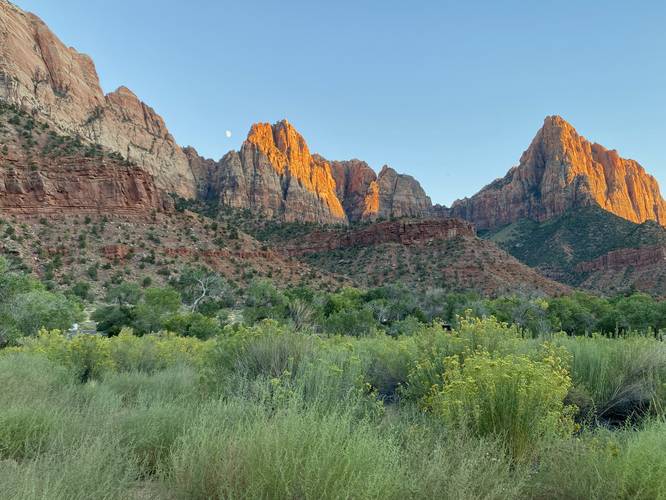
{"x":562,"y":170}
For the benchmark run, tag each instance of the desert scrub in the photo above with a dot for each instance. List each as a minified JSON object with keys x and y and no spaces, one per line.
{"x":433,"y":345}
{"x":517,"y":398}
{"x":93,"y":356}
{"x":241,"y":450}
{"x":605,"y":464}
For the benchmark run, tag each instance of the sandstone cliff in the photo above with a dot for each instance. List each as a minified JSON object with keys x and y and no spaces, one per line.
{"x":406,"y":232}
{"x":60,"y":86}
{"x":562,"y":170}
{"x":368,"y":196}
{"x":78,"y":185}
{"x":275,"y":174}
{"x":626,"y":270}
{"x":621,"y":259}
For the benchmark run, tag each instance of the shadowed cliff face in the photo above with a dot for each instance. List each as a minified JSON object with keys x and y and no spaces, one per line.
{"x":275,"y":174}
{"x":61,"y":87}
{"x":79,"y":185}
{"x":562,"y":170}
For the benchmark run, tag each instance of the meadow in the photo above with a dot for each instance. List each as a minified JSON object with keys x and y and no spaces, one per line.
{"x":265,"y":411}
{"x":294,"y":393}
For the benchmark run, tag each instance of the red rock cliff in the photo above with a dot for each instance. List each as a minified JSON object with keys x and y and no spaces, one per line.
{"x":405,"y":232}
{"x":275,"y":174}
{"x":79,"y":185}
{"x":562,"y":170}
{"x":40,"y":74}
{"x":620,"y":259}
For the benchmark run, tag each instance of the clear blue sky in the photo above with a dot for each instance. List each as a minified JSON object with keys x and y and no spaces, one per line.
{"x":451,"y":92}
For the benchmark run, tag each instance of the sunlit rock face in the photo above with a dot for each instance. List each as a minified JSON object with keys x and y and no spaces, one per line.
{"x":60,"y":86}
{"x":367,"y":196}
{"x":562,"y":170}
{"x":275,"y":174}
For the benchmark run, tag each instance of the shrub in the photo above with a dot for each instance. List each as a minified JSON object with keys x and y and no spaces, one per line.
{"x":236,"y":451}
{"x":354,"y":322}
{"x":92,"y":357}
{"x":432,"y":345}
{"x":513,"y":397}
{"x":605,"y":464}
{"x":194,"y":325}
{"x":266,"y":349}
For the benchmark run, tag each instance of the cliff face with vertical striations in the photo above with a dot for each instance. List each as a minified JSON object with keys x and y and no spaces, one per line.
{"x":366,"y":195}
{"x":275,"y":174}
{"x":60,"y":86}
{"x":354,"y":180}
{"x":559,"y":171}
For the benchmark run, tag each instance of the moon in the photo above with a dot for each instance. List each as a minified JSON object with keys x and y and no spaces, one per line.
{"x":228,"y":134}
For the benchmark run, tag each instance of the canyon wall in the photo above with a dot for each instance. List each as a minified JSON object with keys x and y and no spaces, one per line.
{"x":79,"y":185}
{"x":60,"y":86}
{"x":562,"y":170}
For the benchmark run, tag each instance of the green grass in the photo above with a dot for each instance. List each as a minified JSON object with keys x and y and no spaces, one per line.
{"x":265,"y":412}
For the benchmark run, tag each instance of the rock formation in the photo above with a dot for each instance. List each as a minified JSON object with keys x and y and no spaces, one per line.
{"x":77,"y":184}
{"x":356,"y":188}
{"x":367,"y":196}
{"x":60,"y":86}
{"x":275,"y":174}
{"x":562,"y":170}
{"x":621,"y":259}
{"x":406,"y":232}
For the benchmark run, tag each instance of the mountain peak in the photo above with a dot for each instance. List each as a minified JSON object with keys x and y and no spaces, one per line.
{"x":562,"y":170}
{"x":61,"y":87}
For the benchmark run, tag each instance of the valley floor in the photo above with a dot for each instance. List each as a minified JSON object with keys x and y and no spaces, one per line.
{"x":267,"y":412}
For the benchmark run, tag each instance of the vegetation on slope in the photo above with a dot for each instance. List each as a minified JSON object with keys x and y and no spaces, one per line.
{"x":581,"y":235}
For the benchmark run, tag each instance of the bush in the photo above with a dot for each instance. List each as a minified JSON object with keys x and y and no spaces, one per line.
{"x":194,"y":325}
{"x":513,"y":397}
{"x":266,"y":349}
{"x":241,"y":451}
{"x":354,"y":322}
{"x":605,"y":464}
{"x":432,"y":345}
{"x":92,"y":357}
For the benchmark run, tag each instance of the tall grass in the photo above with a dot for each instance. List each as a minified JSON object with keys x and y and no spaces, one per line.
{"x":616,"y":379}
{"x":265,"y":412}
{"x":606,"y":465}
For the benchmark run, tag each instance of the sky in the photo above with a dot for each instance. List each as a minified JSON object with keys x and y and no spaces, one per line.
{"x":451,"y":92}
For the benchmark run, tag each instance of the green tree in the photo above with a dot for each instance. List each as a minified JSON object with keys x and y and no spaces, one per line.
{"x":264,"y":301}
{"x":200,"y":286}
{"x":157,"y":306}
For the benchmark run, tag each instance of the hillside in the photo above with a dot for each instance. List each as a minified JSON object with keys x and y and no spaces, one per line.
{"x":72,"y":212}
{"x":421,"y":254}
{"x":565,"y":248}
